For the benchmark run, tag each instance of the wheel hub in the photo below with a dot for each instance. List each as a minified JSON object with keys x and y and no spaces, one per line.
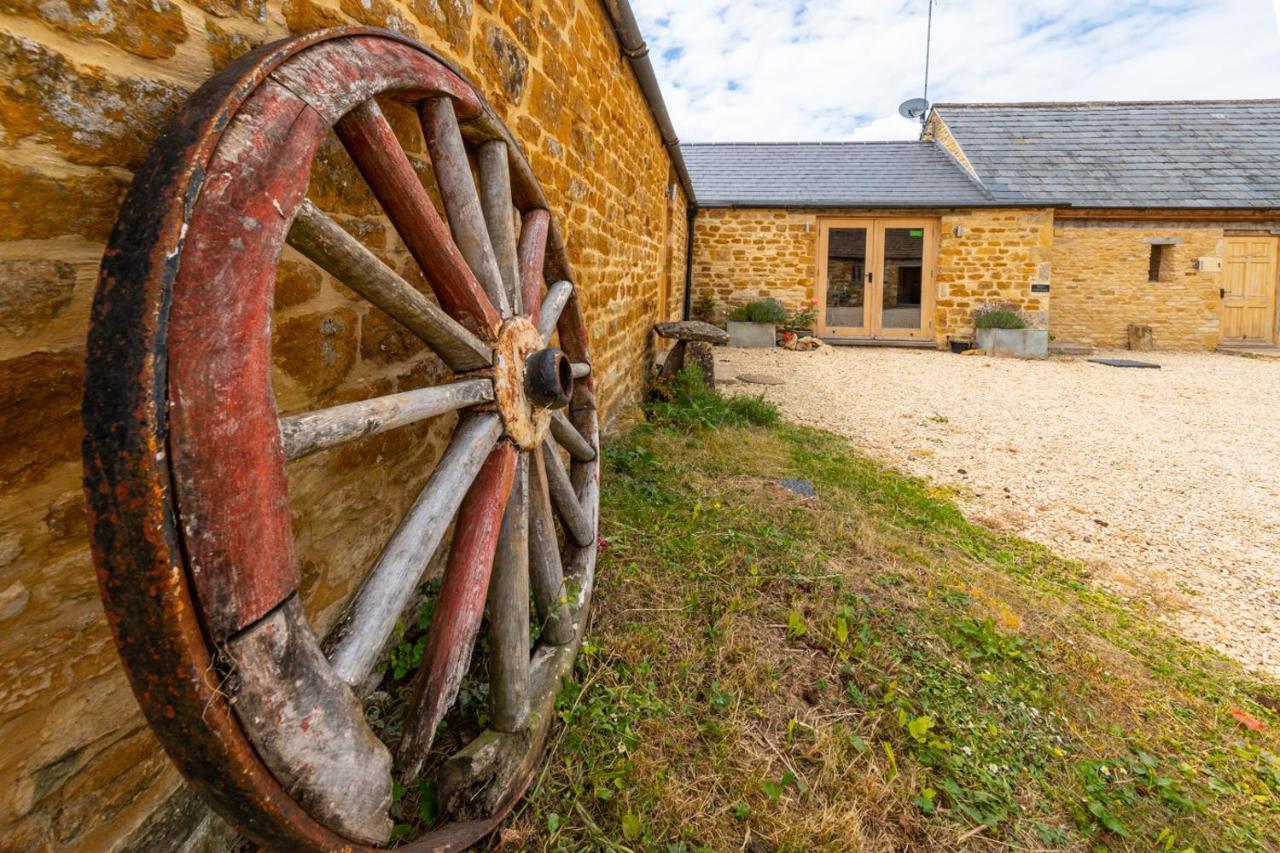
{"x":529,"y":381}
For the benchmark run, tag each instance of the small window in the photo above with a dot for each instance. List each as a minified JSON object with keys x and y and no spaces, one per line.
{"x":1161,"y":253}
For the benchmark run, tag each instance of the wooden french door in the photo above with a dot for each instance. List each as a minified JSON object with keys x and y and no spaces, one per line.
{"x":875,"y":278}
{"x":1249,"y":289}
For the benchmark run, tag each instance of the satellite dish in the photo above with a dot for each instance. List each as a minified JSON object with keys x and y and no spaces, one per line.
{"x":914,"y":109}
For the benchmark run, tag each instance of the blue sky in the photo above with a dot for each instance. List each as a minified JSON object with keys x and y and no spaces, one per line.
{"x":759,"y":70}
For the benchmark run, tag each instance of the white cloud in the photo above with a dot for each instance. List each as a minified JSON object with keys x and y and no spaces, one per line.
{"x":837,"y":69}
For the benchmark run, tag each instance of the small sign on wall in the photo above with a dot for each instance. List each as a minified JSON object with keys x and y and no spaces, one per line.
{"x":1039,"y":288}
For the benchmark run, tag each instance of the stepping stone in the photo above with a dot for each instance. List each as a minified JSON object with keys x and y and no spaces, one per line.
{"x":804,"y":488}
{"x":1124,"y":362}
{"x":692,"y":330}
{"x":760,"y":379}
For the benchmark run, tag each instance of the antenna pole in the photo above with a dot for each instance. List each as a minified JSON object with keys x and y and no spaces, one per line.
{"x":928,"y":44}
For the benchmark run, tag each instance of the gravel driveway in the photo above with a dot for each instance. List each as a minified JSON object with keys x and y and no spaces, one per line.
{"x":1166,"y":483}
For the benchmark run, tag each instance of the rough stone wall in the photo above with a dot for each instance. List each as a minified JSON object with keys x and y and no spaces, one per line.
{"x":937,"y":131}
{"x":991,"y":255}
{"x":742,"y":254}
{"x":1100,"y":283}
{"x":82,"y":94}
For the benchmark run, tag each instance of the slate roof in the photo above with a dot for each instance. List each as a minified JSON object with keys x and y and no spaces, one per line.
{"x":1189,"y":154}
{"x":830,"y":174}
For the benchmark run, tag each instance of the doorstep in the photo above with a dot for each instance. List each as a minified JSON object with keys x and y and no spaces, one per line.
{"x":875,"y":342}
{"x":1250,"y":349}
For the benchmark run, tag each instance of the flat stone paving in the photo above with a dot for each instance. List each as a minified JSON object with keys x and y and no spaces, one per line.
{"x":1165,"y":483}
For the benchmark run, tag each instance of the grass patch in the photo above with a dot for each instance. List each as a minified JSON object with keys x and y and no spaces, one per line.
{"x":869,"y":670}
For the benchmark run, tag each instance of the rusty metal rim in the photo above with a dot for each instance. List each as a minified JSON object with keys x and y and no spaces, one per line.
{"x":136,"y":542}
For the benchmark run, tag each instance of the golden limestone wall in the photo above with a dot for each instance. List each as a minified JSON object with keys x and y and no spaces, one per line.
{"x":82,"y":95}
{"x":937,"y":131}
{"x":994,"y":256}
{"x":744,"y":254}
{"x":1101,"y":283}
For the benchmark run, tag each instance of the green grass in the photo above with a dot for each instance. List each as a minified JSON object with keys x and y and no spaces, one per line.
{"x":869,"y":670}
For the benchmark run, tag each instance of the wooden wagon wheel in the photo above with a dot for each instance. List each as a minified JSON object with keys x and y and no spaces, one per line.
{"x":185,"y":455}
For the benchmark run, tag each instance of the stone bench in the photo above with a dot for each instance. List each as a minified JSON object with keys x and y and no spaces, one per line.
{"x":693,"y":345}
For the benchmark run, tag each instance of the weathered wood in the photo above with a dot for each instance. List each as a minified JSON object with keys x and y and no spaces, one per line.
{"x":1140,"y":338}
{"x":482,"y":778}
{"x":223,"y":436}
{"x":378,"y":155}
{"x":576,"y":521}
{"x":569,"y":437}
{"x":313,"y":431}
{"x":508,"y":607}
{"x":461,"y":200}
{"x":336,"y":251}
{"x":549,"y":314}
{"x":358,"y":641}
{"x":459,"y":606}
{"x":499,"y":217}
{"x":308,"y":727}
{"x":581,"y":370}
{"x":531,"y":254}
{"x":546,"y":572}
{"x":336,"y":76}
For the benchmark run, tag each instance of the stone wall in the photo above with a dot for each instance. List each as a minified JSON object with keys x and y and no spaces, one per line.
{"x":1101,"y":282}
{"x":744,"y":254}
{"x":992,"y":255}
{"x":982,"y":255}
{"x":82,"y":95}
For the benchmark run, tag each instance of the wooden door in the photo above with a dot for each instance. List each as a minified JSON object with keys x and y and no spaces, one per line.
{"x":875,"y":278}
{"x":845,"y":287}
{"x":1249,"y":289}
{"x":903,"y":279}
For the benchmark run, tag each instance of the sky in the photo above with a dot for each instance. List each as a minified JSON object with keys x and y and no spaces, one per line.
{"x":786,"y":70}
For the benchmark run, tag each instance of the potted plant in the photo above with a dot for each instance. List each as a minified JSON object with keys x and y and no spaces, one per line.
{"x":1001,"y":329}
{"x":755,"y":324}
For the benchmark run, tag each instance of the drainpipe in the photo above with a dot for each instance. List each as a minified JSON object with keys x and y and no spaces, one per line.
{"x":688,"y":264}
{"x":637,"y":54}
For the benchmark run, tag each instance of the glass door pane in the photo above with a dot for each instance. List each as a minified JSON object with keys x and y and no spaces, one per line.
{"x":846,"y":303}
{"x":903,"y":278}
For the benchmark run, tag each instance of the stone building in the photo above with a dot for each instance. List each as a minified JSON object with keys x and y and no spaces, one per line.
{"x":86,"y":88}
{"x":1089,"y":217}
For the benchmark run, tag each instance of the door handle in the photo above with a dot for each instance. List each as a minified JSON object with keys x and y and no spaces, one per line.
{"x":869,"y":277}
{"x":1222,"y":293}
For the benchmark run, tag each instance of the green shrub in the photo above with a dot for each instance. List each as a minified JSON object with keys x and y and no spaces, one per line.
{"x":998,"y":316}
{"x":760,"y":311}
{"x":705,"y":308}
{"x":685,"y":402}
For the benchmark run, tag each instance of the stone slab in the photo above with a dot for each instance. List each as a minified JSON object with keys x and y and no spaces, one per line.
{"x":760,"y":379}
{"x":692,"y":330}
{"x":1124,"y":362}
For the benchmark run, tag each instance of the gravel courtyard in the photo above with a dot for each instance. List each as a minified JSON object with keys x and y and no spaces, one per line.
{"x":1166,"y":483}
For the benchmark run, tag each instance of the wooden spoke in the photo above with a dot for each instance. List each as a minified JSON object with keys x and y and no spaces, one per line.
{"x":509,"y":611}
{"x":308,"y":726}
{"x":549,"y":314}
{"x":378,"y":155}
{"x":460,"y":604}
{"x":546,"y":573}
{"x":307,"y":433}
{"x":461,"y":202}
{"x":331,"y":247}
{"x":499,"y":217}
{"x":532,"y":254}
{"x":576,"y":521}
{"x":360,"y":638}
{"x":570,"y":439}
{"x":581,"y":370}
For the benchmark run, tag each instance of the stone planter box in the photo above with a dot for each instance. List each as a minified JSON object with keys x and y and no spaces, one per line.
{"x":754,"y":335}
{"x":1014,"y":343}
